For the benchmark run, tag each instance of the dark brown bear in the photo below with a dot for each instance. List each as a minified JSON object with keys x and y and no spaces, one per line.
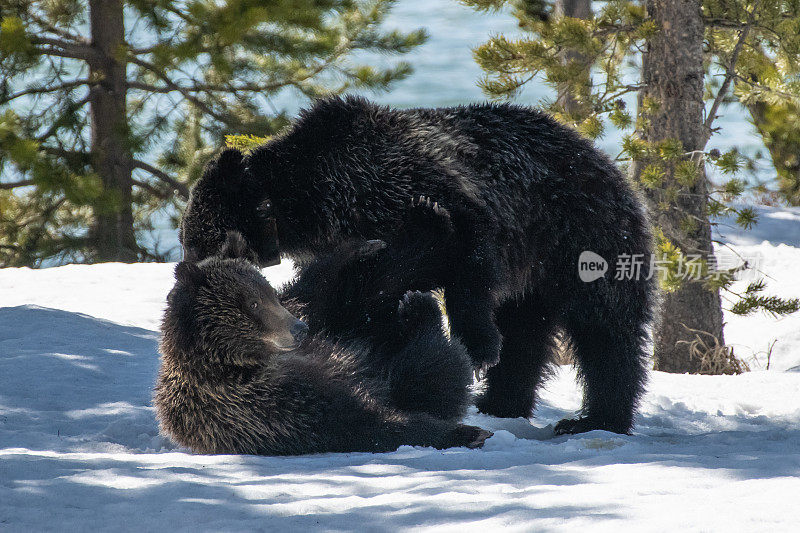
{"x":238,"y":376}
{"x":527,"y":196}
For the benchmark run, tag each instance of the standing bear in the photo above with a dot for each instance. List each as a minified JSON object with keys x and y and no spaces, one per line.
{"x":526,"y":195}
{"x":240,"y":375}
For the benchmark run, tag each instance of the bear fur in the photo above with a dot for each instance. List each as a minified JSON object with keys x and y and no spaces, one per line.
{"x":236,"y":378}
{"x":526,"y":197}
{"x":351,"y":293}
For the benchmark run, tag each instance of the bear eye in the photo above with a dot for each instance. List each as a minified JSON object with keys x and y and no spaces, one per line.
{"x":265,"y":209}
{"x":254,"y":305}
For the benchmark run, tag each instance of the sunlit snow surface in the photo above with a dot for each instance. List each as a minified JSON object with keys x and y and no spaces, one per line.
{"x":80,"y":450}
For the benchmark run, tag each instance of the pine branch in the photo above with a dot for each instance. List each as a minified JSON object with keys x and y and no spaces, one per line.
{"x":62,"y":152}
{"x":43,"y":215}
{"x":730,"y":72}
{"x":152,"y":190}
{"x":44,"y":90}
{"x":187,"y":94}
{"x":143,"y":51}
{"x":71,"y":156}
{"x":206,"y":87}
{"x":766,"y":89}
{"x":66,"y":54}
{"x":15,"y":184}
{"x":180,"y":13}
{"x":180,"y":188}
{"x":70,"y":50}
{"x":58,"y":31}
{"x":57,"y":123}
{"x":155,"y":88}
{"x":772,"y":305}
{"x":729,"y":24}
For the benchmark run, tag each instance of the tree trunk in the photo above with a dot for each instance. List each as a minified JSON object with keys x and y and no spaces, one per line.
{"x":112,"y":233}
{"x":673,"y":76}
{"x":581,"y":9}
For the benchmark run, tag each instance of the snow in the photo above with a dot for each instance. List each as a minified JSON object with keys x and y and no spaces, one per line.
{"x":773,"y":248}
{"x":80,"y":449}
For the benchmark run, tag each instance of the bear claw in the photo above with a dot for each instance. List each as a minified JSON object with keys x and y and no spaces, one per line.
{"x":481,"y":371}
{"x":571,"y":426}
{"x":426,"y":214}
{"x":372,"y":246}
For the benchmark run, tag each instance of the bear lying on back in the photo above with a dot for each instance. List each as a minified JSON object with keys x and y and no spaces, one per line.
{"x":235,"y":377}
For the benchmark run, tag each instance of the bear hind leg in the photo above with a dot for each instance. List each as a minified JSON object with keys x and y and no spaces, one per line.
{"x":525,"y":360}
{"x":609,"y":351}
{"x":430,"y":373}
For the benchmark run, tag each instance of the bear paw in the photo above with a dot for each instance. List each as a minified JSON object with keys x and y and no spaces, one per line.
{"x":582,"y":424}
{"x":485,"y":353}
{"x":425,"y":214}
{"x":417,"y":308}
{"x":464,"y":436}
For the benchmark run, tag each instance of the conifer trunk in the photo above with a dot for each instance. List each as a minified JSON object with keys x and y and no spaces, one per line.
{"x":112,"y":233}
{"x":581,"y":9}
{"x":673,"y":76}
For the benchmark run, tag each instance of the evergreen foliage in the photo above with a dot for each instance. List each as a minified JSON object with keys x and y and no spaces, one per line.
{"x":192,"y":72}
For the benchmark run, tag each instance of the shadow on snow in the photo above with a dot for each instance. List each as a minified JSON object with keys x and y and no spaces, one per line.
{"x":77,"y":391}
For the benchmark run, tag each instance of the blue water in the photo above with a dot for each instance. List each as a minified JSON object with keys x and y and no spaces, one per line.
{"x":446,"y":74}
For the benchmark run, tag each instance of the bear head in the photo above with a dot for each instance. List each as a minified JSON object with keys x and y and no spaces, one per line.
{"x":224,"y":200}
{"x":223,"y":308}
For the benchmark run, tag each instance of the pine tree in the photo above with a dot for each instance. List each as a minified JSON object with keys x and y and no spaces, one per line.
{"x":724,"y":51}
{"x":672,"y":75}
{"x":107,"y":107}
{"x":779,"y":126}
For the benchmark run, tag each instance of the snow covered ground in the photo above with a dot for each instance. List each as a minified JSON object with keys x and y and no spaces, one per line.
{"x":80,"y":450}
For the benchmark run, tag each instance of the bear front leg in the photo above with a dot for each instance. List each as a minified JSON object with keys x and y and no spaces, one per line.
{"x":471,"y":277}
{"x":450,"y":254}
{"x":471,"y":314}
{"x":464,"y":436}
{"x":422,"y":430}
{"x":470,"y":302}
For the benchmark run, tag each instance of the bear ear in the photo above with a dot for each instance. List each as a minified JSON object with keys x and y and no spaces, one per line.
{"x":227,"y":170}
{"x":235,"y":246}
{"x":189,"y":273}
{"x":230,"y":160}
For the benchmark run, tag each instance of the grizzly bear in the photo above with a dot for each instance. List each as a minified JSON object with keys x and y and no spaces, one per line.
{"x":238,"y":374}
{"x":527,"y":197}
